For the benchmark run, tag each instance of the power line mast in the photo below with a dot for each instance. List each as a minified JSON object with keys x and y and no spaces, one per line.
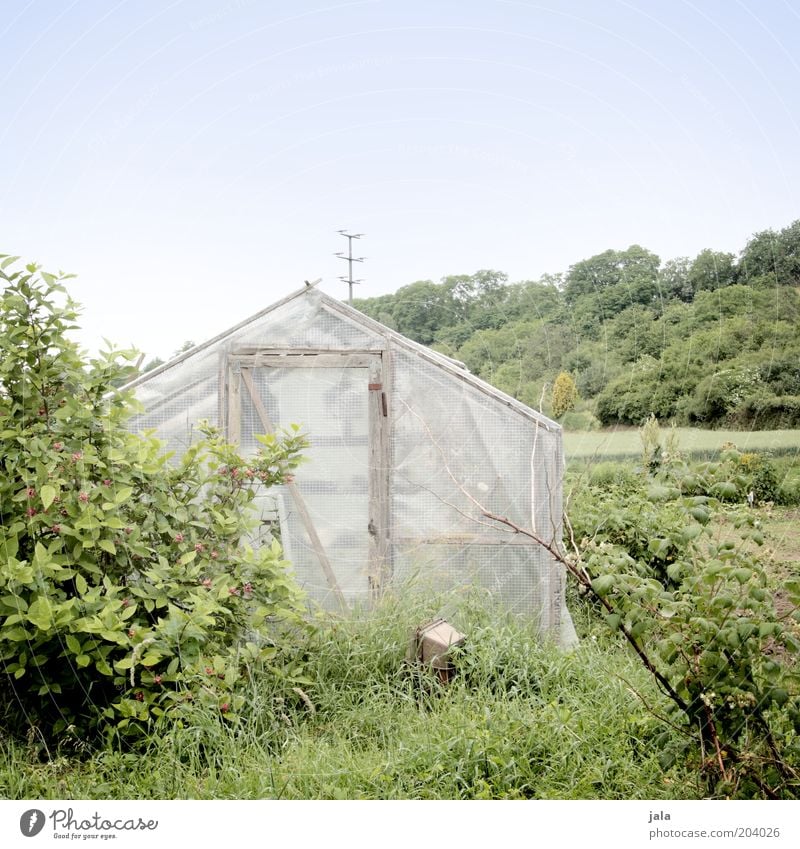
{"x":350,"y":260}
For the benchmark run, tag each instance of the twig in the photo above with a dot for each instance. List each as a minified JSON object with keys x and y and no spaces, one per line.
{"x":579,"y":573}
{"x":657,"y":715}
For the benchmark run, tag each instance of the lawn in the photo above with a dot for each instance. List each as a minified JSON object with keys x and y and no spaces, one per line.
{"x":625,"y":442}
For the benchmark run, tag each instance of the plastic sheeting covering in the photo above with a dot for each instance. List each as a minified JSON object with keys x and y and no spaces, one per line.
{"x":456,"y":447}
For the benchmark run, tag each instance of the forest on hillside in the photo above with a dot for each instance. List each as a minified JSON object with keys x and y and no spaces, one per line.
{"x":710,"y":341}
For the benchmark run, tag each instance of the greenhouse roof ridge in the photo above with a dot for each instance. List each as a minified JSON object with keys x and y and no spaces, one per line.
{"x":454,"y":367}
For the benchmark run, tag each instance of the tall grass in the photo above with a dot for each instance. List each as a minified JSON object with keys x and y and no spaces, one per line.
{"x":521,"y":719}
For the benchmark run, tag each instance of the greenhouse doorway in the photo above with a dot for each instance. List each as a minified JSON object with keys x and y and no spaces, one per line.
{"x":332,"y":519}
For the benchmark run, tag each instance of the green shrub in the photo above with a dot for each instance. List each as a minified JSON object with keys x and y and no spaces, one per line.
{"x":126,"y":589}
{"x":579,"y":420}
{"x":697,"y":609}
{"x":788,"y":493}
{"x":609,"y":474}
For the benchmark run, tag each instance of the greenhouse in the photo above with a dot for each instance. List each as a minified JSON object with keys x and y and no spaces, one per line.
{"x":409,"y":453}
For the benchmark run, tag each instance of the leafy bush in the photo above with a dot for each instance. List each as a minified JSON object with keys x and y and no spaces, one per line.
{"x":767,"y":411}
{"x":564,"y":394}
{"x":579,"y":420}
{"x":789,"y":492}
{"x":126,"y":588}
{"x":697,"y":609}
{"x":610,"y":474}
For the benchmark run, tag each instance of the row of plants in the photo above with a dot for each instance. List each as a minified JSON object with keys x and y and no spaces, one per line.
{"x":669,"y":555}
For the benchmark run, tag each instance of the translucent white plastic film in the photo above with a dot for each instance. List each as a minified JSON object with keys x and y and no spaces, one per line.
{"x":456,"y":448}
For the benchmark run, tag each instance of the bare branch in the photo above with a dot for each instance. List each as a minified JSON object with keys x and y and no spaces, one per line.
{"x":577,"y":570}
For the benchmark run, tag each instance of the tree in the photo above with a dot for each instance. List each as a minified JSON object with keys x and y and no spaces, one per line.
{"x":634,"y":271}
{"x":711,"y":270}
{"x":565,"y":394}
{"x":771,"y":258}
{"x":154,"y":363}
{"x":673,"y":279}
{"x":127,"y":589}
{"x":421,"y":308}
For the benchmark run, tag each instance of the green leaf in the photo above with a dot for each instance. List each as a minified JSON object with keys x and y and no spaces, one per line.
{"x":659,"y":546}
{"x":675,"y":571}
{"x":657,"y":493}
{"x":40,"y":613}
{"x":725,"y":490}
{"x":603,"y":584}
{"x":779,"y":695}
{"x":73,"y":644}
{"x":107,"y":545}
{"x":48,"y":495}
{"x":123,"y":494}
{"x":80,"y":584}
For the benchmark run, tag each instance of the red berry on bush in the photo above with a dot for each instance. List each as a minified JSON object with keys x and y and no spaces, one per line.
{"x":139,"y":696}
{"x":178,"y":537}
{"x":224,"y":707}
{"x":84,"y":497}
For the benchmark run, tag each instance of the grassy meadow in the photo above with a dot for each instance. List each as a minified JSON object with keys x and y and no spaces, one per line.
{"x":520,"y":720}
{"x":625,"y":442}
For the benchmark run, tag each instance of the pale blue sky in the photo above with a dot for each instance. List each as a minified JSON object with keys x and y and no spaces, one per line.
{"x":191,"y":161}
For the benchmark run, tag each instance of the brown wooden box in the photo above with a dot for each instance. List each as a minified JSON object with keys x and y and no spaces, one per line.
{"x":431,"y":645}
